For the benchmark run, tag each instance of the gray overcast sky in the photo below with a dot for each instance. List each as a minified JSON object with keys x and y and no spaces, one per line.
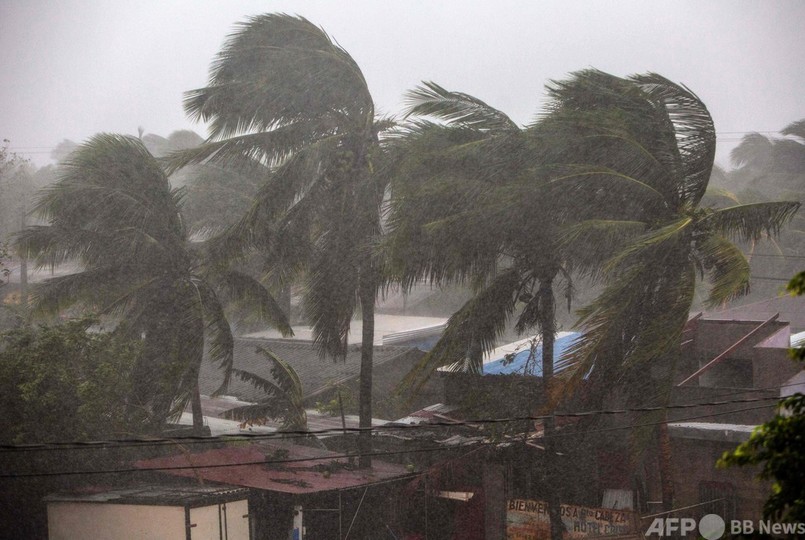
{"x":71,"y":68}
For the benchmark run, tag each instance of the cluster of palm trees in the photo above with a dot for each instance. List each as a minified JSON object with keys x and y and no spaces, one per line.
{"x":605,"y":184}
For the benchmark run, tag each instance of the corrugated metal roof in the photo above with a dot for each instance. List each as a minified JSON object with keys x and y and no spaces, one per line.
{"x":711,"y":431}
{"x":155,"y":495}
{"x":388,"y":329}
{"x":315,"y":373}
{"x":315,"y":471}
{"x":520,"y":351}
{"x":790,"y":308}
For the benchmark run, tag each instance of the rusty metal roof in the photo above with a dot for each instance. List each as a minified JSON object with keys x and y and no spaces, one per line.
{"x":277,"y":467}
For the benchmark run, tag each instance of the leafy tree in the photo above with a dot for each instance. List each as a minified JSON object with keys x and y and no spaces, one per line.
{"x":16,"y":189}
{"x":769,"y":168}
{"x":67,"y":378}
{"x":778,"y":445}
{"x":284,"y":98}
{"x":113,"y":210}
{"x":775,"y":166}
{"x":4,"y":270}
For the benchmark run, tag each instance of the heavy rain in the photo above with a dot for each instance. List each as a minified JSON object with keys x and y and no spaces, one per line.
{"x":404,"y":270}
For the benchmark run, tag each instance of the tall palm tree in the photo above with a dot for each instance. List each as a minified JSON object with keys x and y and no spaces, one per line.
{"x":113,"y":211}
{"x":466,"y":207}
{"x":285,"y":97}
{"x":647,"y":147}
{"x":464,"y":210}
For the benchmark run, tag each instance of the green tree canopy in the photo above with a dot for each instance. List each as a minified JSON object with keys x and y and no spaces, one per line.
{"x":66,"y":379}
{"x":114,"y":212}
{"x":284,"y":98}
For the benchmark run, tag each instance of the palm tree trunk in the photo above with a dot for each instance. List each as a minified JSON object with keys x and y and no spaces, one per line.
{"x":23,"y":266}
{"x":367,"y":298}
{"x":547,"y":326}
{"x":195,"y":407}
{"x":666,"y":471}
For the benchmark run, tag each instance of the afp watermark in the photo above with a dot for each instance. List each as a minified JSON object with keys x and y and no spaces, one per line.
{"x":713,"y":527}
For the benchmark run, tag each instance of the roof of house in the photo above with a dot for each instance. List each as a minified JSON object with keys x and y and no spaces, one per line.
{"x":790,"y":308}
{"x":711,"y":431}
{"x":155,"y":495}
{"x":315,"y":373}
{"x":389,"y":330}
{"x":214,"y":407}
{"x":285,"y":468}
{"x":515,"y":357}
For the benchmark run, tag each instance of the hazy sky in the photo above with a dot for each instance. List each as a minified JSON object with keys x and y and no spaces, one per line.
{"x":71,"y":68}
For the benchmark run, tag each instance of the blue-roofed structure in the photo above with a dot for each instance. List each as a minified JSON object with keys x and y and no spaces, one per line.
{"x":516,"y":358}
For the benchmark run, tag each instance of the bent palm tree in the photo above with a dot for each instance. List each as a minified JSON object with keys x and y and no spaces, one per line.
{"x":465,"y":210}
{"x":463,"y":206}
{"x":284,"y":97}
{"x":647,"y":145}
{"x":284,"y":396}
{"x":113,"y":210}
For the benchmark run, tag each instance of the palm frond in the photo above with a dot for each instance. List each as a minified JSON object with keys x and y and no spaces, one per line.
{"x":266,"y":147}
{"x":242,"y":287}
{"x":727,"y":267}
{"x":430,"y":99}
{"x":473,"y":328}
{"x":588,"y":243}
{"x":749,"y":222}
{"x":217,"y":330}
{"x":279,"y":69}
{"x":284,"y":396}
{"x":654,"y":245}
{"x":694,"y":134}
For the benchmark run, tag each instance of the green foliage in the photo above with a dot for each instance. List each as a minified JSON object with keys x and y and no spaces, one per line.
{"x":283,"y":396}
{"x":17,"y":187}
{"x":778,"y":447}
{"x":4,"y":270}
{"x":342,"y":395}
{"x":66,"y":379}
{"x":639,"y":150}
{"x":113,"y":211}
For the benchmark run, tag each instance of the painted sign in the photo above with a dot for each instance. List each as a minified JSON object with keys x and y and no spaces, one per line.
{"x":528,"y":520}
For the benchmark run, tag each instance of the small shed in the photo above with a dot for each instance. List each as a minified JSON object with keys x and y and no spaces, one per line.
{"x":151,"y":513}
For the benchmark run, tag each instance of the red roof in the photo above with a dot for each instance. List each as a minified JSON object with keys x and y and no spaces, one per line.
{"x":274,"y":467}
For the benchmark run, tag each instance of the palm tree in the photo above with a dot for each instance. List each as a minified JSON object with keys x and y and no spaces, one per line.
{"x":464,"y":210}
{"x":647,"y":147}
{"x":466,"y":207}
{"x":773,"y":168}
{"x":114,"y":211}
{"x":283,"y":396}
{"x":284,"y":97}
{"x":773,"y":165}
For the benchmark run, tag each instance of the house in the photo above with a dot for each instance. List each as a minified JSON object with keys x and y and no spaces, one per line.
{"x":728,"y":380}
{"x":151,"y":512}
{"x":790,"y":309}
{"x":314,"y":492}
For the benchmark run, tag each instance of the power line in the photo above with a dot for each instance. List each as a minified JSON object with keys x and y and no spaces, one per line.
{"x":121,"y":443}
{"x":331,"y":457}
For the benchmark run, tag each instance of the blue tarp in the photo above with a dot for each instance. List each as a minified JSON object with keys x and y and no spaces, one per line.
{"x":518,"y":364}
